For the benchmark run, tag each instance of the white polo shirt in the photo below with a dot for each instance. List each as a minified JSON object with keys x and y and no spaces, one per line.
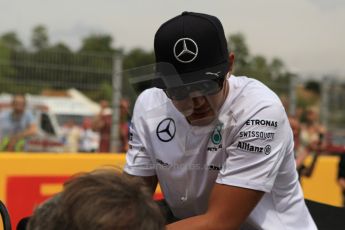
{"x":250,"y":145}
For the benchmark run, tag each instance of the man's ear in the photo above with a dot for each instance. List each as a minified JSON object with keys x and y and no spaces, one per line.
{"x":231,"y":61}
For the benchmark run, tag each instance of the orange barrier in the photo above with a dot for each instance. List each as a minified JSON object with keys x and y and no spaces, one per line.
{"x":28,"y":179}
{"x":322,"y":186}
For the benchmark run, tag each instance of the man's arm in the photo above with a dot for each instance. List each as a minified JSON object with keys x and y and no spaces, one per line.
{"x":29,"y":131}
{"x":228,"y":208}
{"x":341,"y":172}
{"x":341,"y":182}
{"x":150,"y":181}
{"x":97,"y":123}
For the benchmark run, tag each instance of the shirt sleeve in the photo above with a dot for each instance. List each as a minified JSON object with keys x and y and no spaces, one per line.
{"x":138,"y":160}
{"x":257,"y":151}
{"x":29,"y":118}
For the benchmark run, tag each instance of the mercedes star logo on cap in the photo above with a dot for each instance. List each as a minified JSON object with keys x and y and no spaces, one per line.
{"x":166,"y":130}
{"x":185,"y":50}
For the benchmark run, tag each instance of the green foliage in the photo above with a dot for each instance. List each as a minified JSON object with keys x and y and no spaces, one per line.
{"x":59,"y":48}
{"x":277,"y":68}
{"x":90,"y":69}
{"x":135,"y":58}
{"x":39,"y":38}
{"x":4,"y":58}
{"x":138,"y":57}
{"x":6,"y":70}
{"x":237,"y":45}
{"x":58,"y":67}
{"x":272,"y":73}
{"x":100,"y":44}
{"x":104,"y":91}
{"x":11,"y":41}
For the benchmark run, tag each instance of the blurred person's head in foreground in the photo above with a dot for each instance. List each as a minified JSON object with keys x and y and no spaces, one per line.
{"x":102,"y":199}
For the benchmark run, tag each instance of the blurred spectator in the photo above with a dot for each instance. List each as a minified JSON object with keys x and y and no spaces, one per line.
{"x":16,"y":125}
{"x":89,"y":139}
{"x":296,"y":130}
{"x":312,"y":142}
{"x":341,"y":176}
{"x":294,"y":120}
{"x":102,"y":124}
{"x":124,"y":124}
{"x":71,"y":133}
{"x":102,"y":200}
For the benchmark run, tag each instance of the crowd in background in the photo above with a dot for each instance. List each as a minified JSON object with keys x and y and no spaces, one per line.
{"x":94,"y":135}
{"x":312,"y":139}
{"x":309,"y":138}
{"x":18,"y":125}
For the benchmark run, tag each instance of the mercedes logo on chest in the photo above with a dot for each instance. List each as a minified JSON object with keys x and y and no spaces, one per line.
{"x":185,"y":50}
{"x":166,"y":130}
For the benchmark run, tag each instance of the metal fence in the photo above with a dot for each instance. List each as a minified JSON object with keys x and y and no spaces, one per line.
{"x":333,"y":107}
{"x":98,"y":76}
{"x":46,"y":72}
{"x":34,"y":72}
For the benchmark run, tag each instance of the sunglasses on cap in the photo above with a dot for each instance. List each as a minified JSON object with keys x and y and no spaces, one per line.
{"x":201,"y":88}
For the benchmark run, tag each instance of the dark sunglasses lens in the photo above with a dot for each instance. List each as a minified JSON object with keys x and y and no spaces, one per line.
{"x":204,"y":88}
{"x":179,"y":93}
{"x":210,"y":87}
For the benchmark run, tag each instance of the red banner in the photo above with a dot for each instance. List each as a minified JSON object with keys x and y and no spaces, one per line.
{"x":24,"y":193}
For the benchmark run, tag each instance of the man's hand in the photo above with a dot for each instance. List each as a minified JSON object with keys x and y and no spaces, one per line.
{"x":11,"y":144}
{"x":341,"y":182}
{"x":228,"y":208}
{"x":31,"y":130}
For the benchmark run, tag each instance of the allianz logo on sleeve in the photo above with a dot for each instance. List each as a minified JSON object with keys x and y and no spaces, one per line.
{"x":252,"y":148}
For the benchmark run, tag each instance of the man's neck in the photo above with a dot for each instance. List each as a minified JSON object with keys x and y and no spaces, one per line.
{"x":17,"y":115}
{"x":226,"y":92}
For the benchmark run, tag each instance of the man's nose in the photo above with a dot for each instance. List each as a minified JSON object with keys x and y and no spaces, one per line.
{"x":198,"y":102}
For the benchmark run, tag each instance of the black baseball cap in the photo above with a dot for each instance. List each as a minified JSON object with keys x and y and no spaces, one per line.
{"x":190,"y":47}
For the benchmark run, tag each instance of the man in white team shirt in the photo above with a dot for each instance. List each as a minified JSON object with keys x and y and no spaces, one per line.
{"x":220,"y":146}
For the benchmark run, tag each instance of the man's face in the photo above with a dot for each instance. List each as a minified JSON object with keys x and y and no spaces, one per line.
{"x":201,"y":110}
{"x":18,"y":104}
{"x":104,"y":104}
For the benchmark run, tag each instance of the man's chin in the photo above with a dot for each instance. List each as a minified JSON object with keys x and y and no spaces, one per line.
{"x":200,"y":121}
